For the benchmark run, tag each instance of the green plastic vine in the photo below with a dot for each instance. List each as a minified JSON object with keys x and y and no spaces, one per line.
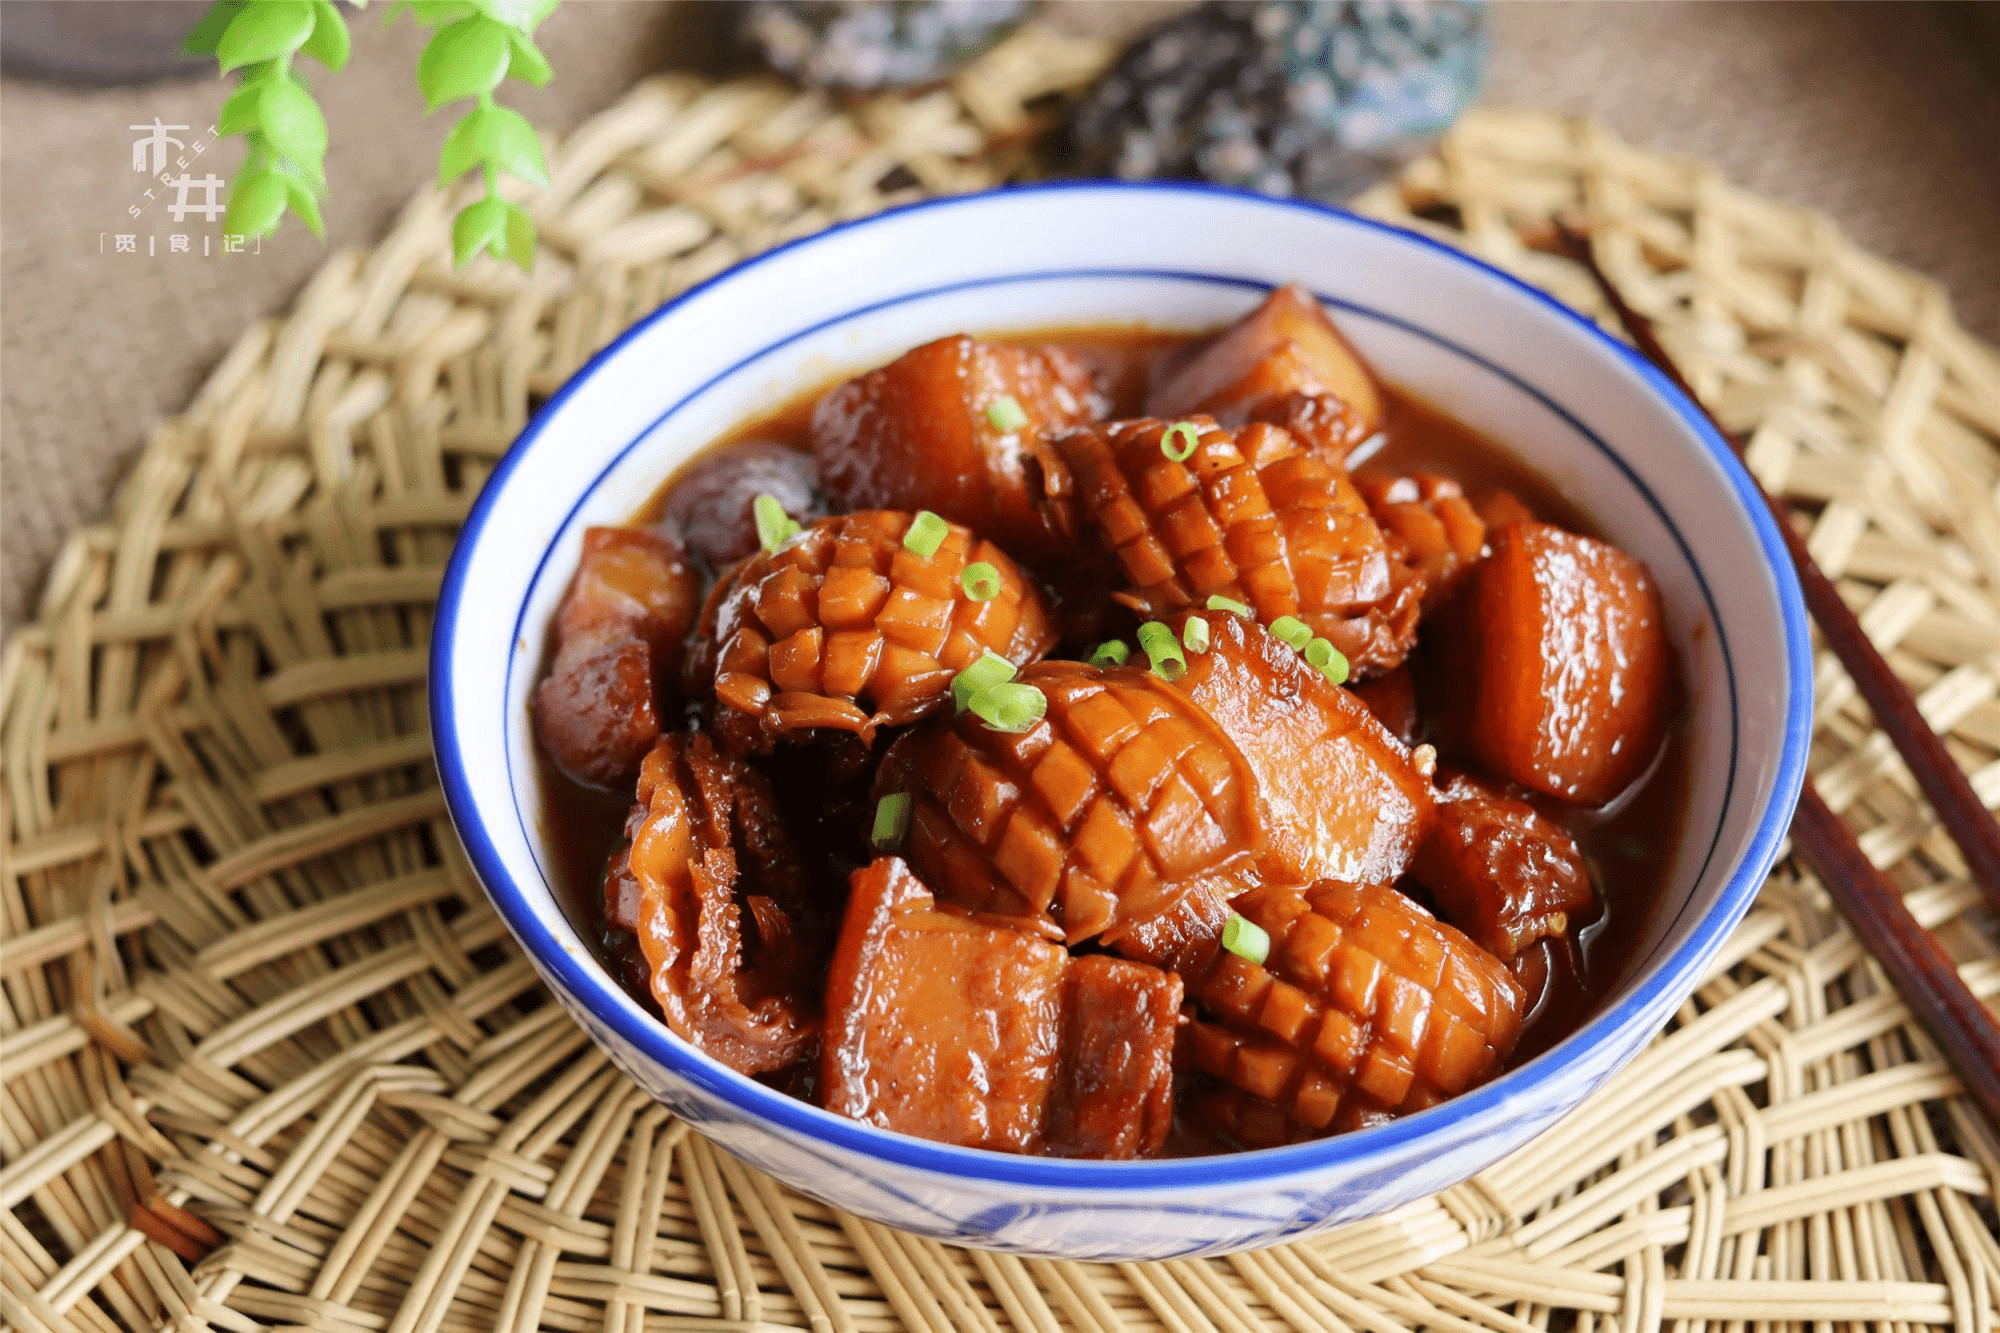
{"x":476,"y":44}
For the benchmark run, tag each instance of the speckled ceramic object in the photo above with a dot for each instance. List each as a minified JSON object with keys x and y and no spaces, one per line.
{"x":874,"y":43}
{"x":1318,"y":98}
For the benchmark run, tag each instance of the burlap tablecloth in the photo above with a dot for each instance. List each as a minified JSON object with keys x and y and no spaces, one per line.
{"x":1881,"y":115}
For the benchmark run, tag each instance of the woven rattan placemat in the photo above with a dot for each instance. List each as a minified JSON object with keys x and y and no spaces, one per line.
{"x":270,"y":1059}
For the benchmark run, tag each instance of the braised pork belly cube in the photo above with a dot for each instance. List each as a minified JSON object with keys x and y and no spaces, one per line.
{"x":844,"y":628}
{"x":1501,"y":871}
{"x":1283,"y":362}
{"x":1552,"y":665}
{"x":1365,"y":1007}
{"x":617,"y":642}
{"x":719,"y":900}
{"x":953,"y":427}
{"x":1192,"y":511}
{"x":975,"y":1034}
{"x":1114,"y":1087}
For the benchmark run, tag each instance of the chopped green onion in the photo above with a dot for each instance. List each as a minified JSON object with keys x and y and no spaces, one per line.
{"x":1005,"y":413}
{"x":1332,"y":663}
{"x":1195,"y":634}
{"x":892,"y":821}
{"x":1217,"y":602}
{"x":1245,"y":938}
{"x":926,"y":534}
{"x":1295,"y":632}
{"x":1185,"y":431}
{"x":981,"y":581}
{"x":774,"y":526}
{"x":991,"y":669}
{"x":1112,"y":652}
{"x":1163,"y":649}
{"x":1011,"y":706}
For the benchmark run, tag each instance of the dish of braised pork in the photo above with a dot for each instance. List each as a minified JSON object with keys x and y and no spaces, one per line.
{"x":1113,"y":743}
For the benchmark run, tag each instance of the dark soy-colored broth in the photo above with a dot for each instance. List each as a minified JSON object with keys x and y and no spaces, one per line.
{"x":1628,"y":848}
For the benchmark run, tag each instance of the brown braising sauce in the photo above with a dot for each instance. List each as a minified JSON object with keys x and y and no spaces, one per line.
{"x":1627,"y":847}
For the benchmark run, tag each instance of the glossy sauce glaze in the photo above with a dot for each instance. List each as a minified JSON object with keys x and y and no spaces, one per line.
{"x":1235,"y":1087}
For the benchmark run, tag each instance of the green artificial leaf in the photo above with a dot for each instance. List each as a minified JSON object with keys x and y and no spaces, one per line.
{"x":508,"y":141}
{"x":466,"y":59}
{"x":529,"y":64}
{"x":477,"y":227}
{"x":520,"y":238}
{"x":202,"y":41}
{"x":463,"y":147}
{"x":264,"y":31}
{"x":241,"y":113}
{"x":293,"y":124}
{"x":300,"y":196}
{"x":255,"y":203}
{"x":329,"y":42}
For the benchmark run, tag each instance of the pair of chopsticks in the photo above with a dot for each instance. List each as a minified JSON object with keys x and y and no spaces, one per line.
{"x":1915,"y":962}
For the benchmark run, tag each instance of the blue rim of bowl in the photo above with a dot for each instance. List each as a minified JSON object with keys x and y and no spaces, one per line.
{"x":591,"y":985}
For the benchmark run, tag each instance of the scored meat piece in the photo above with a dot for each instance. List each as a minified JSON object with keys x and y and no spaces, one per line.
{"x":845,"y":628}
{"x":1365,"y":1008}
{"x":724,"y":914}
{"x":1552,"y":665}
{"x":1338,"y":796}
{"x":1093,"y":818}
{"x":1272,"y":365}
{"x":1431,"y":527}
{"x":967,"y":1032}
{"x":1250,"y":516}
{"x":953,"y":426}
{"x":1131,"y":791}
{"x":712,"y":503}
{"x":617,"y":642}
{"x":1501,"y":871}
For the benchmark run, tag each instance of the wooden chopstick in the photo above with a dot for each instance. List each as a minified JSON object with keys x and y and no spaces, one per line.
{"x":1915,"y":962}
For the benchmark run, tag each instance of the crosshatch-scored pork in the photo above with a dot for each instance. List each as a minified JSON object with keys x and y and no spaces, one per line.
{"x":1366,"y":1008}
{"x":1072,"y":756}
{"x":844,"y":628}
{"x":1249,"y":516}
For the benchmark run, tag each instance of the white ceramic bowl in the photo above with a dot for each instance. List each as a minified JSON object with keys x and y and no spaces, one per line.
{"x":1581,"y":409}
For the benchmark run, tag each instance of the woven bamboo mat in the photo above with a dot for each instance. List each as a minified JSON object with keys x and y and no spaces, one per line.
{"x":270,"y":1059}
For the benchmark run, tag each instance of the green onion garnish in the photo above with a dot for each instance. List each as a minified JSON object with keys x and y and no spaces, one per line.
{"x":1112,"y":652}
{"x":892,"y":821}
{"x":1217,"y":602}
{"x":1245,"y":938}
{"x":981,"y":581}
{"x":1005,"y":413}
{"x":1184,"y":431}
{"x":1169,"y":663}
{"x":1011,"y":706}
{"x":774,"y":526}
{"x":1332,"y":663}
{"x":926,"y":534}
{"x":1195,"y":634}
{"x":991,"y":669}
{"x":1295,"y":632}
